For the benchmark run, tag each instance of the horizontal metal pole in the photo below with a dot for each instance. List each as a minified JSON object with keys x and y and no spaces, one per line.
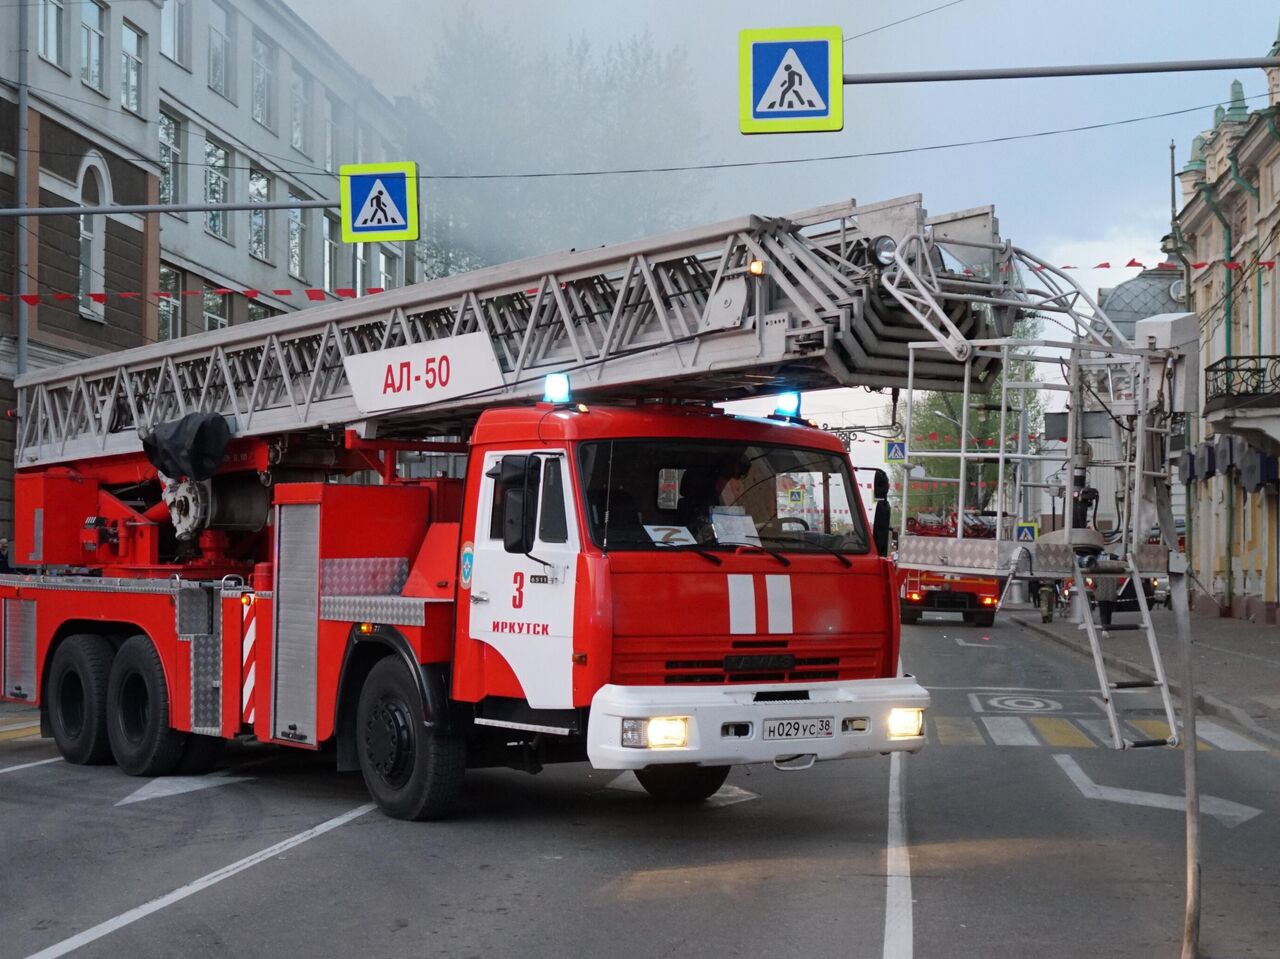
{"x":1078,"y":70}
{"x":166,"y":208}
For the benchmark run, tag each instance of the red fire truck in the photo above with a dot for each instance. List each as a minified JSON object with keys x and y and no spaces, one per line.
{"x":357,"y":527}
{"x":976,"y":598}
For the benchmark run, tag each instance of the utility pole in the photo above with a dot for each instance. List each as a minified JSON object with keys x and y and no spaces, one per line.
{"x":22,"y":260}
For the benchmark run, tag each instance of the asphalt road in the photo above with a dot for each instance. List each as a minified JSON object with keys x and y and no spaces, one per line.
{"x":1003,"y":853}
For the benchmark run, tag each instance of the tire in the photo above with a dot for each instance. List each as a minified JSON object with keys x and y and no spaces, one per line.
{"x":200,"y":754}
{"x":910,"y":617}
{"x":985,"y":619}
{"x":412,"y":771}
{"x":77,"y":697}
{"x":682,"y":782}
{"x":970,"y":618}
{"x":138,"y":712}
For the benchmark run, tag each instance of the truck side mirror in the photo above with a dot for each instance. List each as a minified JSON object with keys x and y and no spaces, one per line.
{"x":880,"y":486}
{"x":519,"y":474}
{"x":880,"y":522}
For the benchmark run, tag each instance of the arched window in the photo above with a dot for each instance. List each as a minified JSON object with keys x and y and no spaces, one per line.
{"x":93,"y":240}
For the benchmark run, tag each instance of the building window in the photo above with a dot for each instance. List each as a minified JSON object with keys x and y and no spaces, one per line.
{"x":131,"y":69}
{"x":259,"y":220}
{"x":217,"y":187}
{"x":221,"y":51}
{"x":174,"y":20}
{"x":299,"y":102}
{"x":170,"y":158}
{"x":169,"y":305}
{"x":215,"y":308}
{"x":50,"y":24}
{"x":332,"y":251}
{"x":297,"y":239}
{"x":388,"y":270}
{"x":93,"y":246}
{"x":258,"y":311}
{"x":93,"y":43}
{"x":264,"y":81}
{"x":330,"y":134}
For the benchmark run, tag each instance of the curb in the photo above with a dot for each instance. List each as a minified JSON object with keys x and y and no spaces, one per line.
{"x":1206,"y":703}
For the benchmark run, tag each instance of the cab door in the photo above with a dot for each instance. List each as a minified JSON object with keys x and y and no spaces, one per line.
{"x":522,"y":599}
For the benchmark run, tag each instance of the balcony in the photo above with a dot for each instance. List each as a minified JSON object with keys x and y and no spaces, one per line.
{"x":1242,"y":396}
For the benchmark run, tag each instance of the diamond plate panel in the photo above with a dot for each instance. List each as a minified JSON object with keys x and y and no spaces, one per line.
{"x":20,"y":649}
{"x":364,"y":576}
{"x":296,"y":621}
{"x":393,"y":610}
{"x":193,"y":607}
{"x":206,"y":683}
{"x":1058,"y":558}
{"x":1152,"y":558}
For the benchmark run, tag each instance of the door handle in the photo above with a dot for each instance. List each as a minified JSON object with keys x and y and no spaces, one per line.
{"x":479,"y":598}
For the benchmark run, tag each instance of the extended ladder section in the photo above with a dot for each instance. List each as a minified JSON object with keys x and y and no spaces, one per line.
{"x":834,"y":296}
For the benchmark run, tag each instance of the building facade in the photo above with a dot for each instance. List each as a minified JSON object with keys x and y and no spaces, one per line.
{"x":177,"y":101}
{"x":1229,"y":231}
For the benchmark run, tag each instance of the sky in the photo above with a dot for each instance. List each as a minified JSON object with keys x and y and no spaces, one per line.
{"x":1077,"y":198}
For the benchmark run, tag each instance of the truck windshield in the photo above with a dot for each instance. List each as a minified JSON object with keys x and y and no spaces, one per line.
{"x":655,"y":494}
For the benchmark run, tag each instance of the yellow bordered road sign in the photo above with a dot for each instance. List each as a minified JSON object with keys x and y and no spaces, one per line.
{"x":379,"y":202}
{"x":895,"y":451}
{"x":791,"y":80}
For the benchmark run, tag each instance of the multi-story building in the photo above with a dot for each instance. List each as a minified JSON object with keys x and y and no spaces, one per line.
{"x":1229,"y":230}
{"x":177,"y":101}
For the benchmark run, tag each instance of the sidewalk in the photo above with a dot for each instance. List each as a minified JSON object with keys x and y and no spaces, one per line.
{"x":1237,"y":664}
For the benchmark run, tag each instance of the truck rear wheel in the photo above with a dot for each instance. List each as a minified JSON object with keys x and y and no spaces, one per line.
{"x":682,"y":782}
{"x":77,"y":696}
{"x":910,"y":616}
{"x":984,"y":619}
{"x":138,"y":712}
{"x":412,"y":771}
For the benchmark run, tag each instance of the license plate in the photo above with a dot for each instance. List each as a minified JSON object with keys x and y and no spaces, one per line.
{"x":819,"y":728}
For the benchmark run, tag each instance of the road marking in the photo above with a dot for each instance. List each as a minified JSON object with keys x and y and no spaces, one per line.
{"x":190,"y":889}
{"x":1159,"y":729}
{"x":1060,"y":732}
{"x":166,"y":786}
{"x":20,"y":722}
{"x":1010,"y":731}
{"x":1100,"y":729}
{"x":964,"y":642}
{"x":726,"y":795}
{"x":1024,"y":704}
{"x":1230,"y":814}
{"x":27,"y":731}
{"x":1224,"y":738}
{"x":899,"y":937}
{"x":957,"y":731}
{"x":38,"y":762}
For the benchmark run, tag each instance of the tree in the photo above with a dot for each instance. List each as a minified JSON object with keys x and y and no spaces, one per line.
{"x":491,"y":105}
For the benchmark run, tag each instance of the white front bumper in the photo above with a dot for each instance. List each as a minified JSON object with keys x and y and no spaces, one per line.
{"x":713,"y":708}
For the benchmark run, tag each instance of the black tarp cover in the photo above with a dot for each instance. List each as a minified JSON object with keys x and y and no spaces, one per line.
{"x":192,"y":447}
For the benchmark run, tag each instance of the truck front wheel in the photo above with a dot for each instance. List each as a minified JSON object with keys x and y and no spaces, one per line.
{"x":682,"y":782}
{"x":142,"y":739}
{"x":412,"y":771}
{"x":77,"y":695}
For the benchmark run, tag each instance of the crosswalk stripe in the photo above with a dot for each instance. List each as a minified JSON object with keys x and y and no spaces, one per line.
{"x":1159,"y":729}
{"x":1060,"y":732}
{"x":1224,"y":738}
{"x":1100,"y":730}
{"x":957,"y":731}
{"x":30,"y":731}
{"x":1010,"y":731}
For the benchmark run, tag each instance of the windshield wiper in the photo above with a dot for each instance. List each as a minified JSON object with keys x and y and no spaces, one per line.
{"x":823,"y":546}
{"x":692,"y":548}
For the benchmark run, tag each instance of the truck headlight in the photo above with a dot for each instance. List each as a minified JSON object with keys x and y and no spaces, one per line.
{"x":660,"y":732}
{"x":905,"y":723}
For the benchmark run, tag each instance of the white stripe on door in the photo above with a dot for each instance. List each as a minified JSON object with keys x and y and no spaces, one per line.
{"x":777,"y":591}
{"x":742,"y":603}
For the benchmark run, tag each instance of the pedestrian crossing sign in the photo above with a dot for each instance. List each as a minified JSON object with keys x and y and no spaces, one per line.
{"x":379,"y":202}
{"x":791,"y":80}
{"x":895,"y":451}
{"x":1026,"y":532}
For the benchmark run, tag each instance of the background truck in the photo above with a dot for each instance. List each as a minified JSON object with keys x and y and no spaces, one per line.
{"x":391,"y":528}
{"x":975,"y":597}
